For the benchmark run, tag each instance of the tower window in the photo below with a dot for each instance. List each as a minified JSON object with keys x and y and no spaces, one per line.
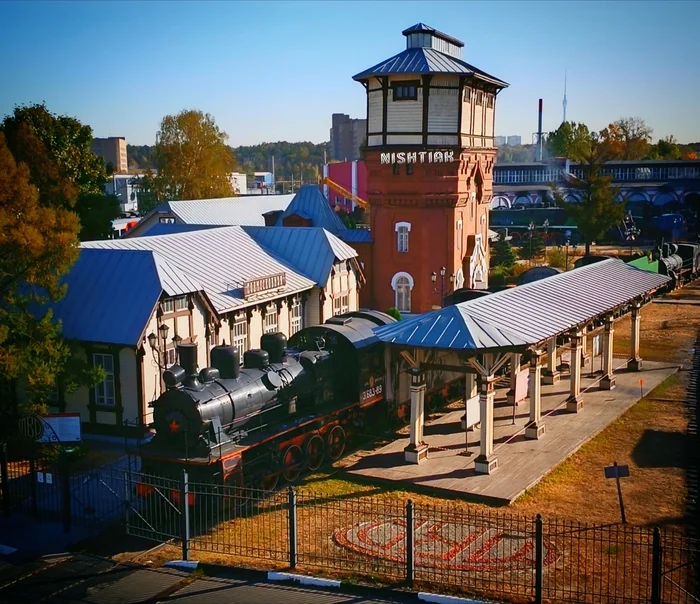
{"x":409,"y":169}
{"x":402,"y":230}
{"x":402,"y":284}
{"x":396,"y":170}
{"x":405,"y":92}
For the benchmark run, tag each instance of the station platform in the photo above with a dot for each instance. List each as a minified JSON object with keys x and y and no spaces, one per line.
{"x":449,"y":470}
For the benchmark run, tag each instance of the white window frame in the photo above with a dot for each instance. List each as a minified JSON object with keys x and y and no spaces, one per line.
{"x":402,"y":230}
{"x":459,"y":234}
{"x":270,"y":326}
{"x":102,"y":396}
{"x":295,"y":316}
{"x":402,"y":307}
{"x":169,"y":357}
{"x":239,"y":333}
{"x":174,"y":304}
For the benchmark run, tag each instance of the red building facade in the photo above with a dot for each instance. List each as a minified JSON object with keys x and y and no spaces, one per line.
{"x":352,"y":176}
{"x":429,"y":159}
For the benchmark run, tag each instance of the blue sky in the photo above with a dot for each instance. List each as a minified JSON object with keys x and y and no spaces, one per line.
{"x":272,"y":71}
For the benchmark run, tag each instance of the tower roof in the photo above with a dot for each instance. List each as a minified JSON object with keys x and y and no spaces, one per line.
{"x":428,"y":52}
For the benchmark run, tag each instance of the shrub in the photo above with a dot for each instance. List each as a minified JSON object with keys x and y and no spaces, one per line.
{"x":394,"y":312}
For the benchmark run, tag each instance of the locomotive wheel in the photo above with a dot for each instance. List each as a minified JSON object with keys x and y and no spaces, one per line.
{"x":314,"y":452}
{"x":270,"y":481}
{"x":336,"y":442}
{"x":292,"y":462}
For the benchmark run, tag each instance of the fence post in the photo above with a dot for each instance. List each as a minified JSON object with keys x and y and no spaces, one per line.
{"x":292,"y":515}
{"x":656,"y":567}
{"x":410,"y":546}
{"x":185,"y":515}
{"x":5,"y":474}
{"x":539,"y":558}
{"x":65,"y":491}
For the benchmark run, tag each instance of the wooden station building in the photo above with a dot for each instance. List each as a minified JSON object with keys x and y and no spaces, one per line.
{"x":429,"y":155}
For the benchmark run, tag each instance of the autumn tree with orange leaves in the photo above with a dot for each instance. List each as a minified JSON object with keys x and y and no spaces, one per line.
{"x":38,"y":245}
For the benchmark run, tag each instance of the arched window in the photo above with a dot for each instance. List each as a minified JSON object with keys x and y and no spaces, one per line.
{"x":402,"y":231}
{"x":402,"y":284}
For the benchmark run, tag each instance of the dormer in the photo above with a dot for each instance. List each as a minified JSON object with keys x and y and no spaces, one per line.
{"x":424,"y":36}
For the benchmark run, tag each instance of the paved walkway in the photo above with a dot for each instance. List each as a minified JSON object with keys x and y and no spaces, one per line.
{"x":91,"y":580}
{"x":522,"y":462}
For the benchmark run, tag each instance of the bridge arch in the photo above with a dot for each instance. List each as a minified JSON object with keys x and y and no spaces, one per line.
{"x":664,"y":198}
{"x":500,"y":202}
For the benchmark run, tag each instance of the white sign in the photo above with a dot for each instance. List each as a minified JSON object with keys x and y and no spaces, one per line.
{"x":418,"y":157}
{"x":61,"y":428}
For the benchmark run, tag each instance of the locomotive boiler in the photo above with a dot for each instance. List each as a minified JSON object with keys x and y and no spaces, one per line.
{"x":285,"y":409}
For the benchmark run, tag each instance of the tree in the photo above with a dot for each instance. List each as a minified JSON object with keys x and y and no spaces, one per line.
{"x":532,"y":246}
{"x":598,"y":209}
{"x":193,"y":159}
{"x":502,"y":253}
{"x":97,"y":212}
{"x":568,"y":140}
{"x":665,"y":148}
{"x":38,"y":244}
{"x":57,"y":151}
{"x":394,"y":312}
{"x":627,"y":138}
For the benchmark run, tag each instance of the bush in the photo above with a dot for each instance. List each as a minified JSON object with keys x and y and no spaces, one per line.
{"x":498,"y":276}
{"x":556,"y":258}
{"x":518,"y":269}
{"x":394,"y":312}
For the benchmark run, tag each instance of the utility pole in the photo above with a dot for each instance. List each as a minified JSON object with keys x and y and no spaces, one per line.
{"x":274,"y":186}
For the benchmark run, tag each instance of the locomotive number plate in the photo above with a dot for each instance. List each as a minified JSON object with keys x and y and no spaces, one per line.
{"x":371,"y":393}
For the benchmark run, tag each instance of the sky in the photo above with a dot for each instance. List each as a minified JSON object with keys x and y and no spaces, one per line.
{"x":270,"y":71}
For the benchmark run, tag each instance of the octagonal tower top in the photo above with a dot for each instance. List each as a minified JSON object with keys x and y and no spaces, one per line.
{"x":421,"y":35}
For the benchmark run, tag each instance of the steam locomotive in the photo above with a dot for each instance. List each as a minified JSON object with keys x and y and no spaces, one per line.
{"x":290,"y":406}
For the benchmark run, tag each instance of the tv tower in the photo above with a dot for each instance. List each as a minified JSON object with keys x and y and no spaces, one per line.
{"x":563,"y":103}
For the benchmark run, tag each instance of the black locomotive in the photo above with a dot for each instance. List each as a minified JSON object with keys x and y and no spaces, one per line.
{"x":286,"y":409}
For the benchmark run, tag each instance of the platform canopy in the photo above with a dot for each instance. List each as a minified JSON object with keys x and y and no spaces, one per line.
{"x":530,"y":314}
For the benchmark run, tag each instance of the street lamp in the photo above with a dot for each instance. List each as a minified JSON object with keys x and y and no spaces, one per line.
{"x":153,"y":342}
{"x":442,"y":292}
{"x":531,"y":230}
{"x":176,"y":340}
{"x":567,"y":234}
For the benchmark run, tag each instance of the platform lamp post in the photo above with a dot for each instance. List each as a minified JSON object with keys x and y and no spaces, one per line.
{"x":531,"y":230}
{"x":154,"y":343}
{"x":176,"y":341}
{"x":567,"y":234}
{"x":433,"y":278}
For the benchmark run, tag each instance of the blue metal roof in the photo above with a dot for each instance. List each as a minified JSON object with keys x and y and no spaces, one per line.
{"x":111,"y":294}
{"x":355,"y":235}
{"x":419,"y":28}
{"x":425,"y":61}
{"x":311,"y":203}
{"x":312,"y":251}
{"x":528,"y":314}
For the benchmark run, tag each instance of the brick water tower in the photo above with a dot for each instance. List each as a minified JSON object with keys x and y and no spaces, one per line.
{"x":429,"y":155}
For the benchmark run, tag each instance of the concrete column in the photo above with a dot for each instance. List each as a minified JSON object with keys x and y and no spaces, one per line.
{"x":486,"y":462}
{"x":417,"y":450}
{"x":607,"y":382}
{"x":585,"y":355}
{"x":470,"y":391}
{"x":635,"y":363}
{"x":535,"y":428}
{"x":575,"y":401}
{"x":514,"y":370}
{"x":550,"y":375}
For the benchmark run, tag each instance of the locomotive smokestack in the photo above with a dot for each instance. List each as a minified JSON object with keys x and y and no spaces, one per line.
{"x":188,"y":360}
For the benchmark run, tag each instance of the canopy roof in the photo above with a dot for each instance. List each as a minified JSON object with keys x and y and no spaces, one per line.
{"x":529,"y":314}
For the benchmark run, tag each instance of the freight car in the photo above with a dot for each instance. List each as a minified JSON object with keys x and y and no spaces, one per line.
{"x":290,"y":406}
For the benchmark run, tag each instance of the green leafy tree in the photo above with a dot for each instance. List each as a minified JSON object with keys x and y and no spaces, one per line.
{"x":193,"y":159}
{"x":598,"y":209}
{"x":568,"y":140}
{"x":97,"y":212}
{"x":665,"y":148}
{"x":57,"y":150}
{"x":502,"y":253}
{"x":532,"y":245}
{"x":38,"y":244}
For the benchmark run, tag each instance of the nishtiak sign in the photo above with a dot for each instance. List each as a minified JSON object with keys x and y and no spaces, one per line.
{"x":418,"y":157}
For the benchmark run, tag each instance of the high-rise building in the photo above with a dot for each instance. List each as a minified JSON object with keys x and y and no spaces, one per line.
{"x":499,"y":141}
{"x":430,"y":156}
{"x":113,"y":149}
{"x":513,"y":141}
{"x":347,"y":136}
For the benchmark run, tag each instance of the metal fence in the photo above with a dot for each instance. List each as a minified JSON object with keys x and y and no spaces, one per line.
{"x":488,"y":554}
{"x":381,"y":538}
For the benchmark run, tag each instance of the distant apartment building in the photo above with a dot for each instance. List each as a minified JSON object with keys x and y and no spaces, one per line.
{"x":113,"y":149}
{"x":239,"y":182}
{"x":499,"y":141}
{"x":513,"y":141}
{"x":347,"y":136}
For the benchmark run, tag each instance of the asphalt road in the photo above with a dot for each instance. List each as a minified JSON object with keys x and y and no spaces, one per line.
{"x":88,"y":579}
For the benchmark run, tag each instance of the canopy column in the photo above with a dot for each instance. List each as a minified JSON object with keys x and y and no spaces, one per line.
{"x":535,"y":428}
{"x":514,"y":370}
{"x":486,"y":462}
{"x":585,"y":355}
{"x":550,"y":375}
{"x":417,"y":450}
{"x":635,"y":363}
{"x":607,"y":382}
{"x":575,"y":401}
